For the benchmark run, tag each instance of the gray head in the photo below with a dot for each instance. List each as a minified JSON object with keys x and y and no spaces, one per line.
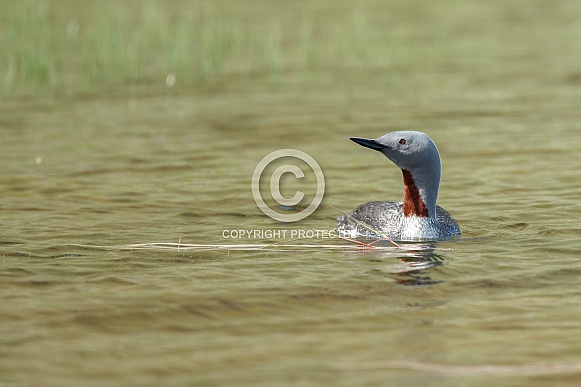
{"x":415,"y":154}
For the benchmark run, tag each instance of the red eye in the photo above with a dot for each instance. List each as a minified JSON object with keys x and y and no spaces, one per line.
{"x":402,"y":141}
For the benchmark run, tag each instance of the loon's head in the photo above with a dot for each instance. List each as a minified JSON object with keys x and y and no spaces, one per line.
{"x":417,"y":156}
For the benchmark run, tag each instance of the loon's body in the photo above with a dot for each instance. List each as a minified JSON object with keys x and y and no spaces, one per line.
{"x":417,"y":217}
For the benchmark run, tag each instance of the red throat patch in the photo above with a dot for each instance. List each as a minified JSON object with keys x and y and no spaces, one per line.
{"x":412,"y":200}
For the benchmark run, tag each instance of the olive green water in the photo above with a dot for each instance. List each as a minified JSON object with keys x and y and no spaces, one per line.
{"x":500,"y":306}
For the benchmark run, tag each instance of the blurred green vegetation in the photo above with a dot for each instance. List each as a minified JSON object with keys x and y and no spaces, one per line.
{"x":69,"y":48}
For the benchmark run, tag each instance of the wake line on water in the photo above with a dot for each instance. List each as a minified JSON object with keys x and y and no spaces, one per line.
{"x":185,"y":247}
{"x":523,"y":369}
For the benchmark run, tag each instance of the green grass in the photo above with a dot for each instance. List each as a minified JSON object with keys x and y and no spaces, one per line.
{"x":67,"y":48}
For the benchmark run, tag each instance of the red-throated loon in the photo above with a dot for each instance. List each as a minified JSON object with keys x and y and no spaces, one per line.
{"x":417,"y":218}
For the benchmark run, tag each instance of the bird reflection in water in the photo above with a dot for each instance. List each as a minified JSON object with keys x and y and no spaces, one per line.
{"x":416,"y":261}
{"x":415,"y":266}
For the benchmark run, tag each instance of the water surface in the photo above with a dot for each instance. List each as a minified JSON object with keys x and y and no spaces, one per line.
{"x":117,"y":171}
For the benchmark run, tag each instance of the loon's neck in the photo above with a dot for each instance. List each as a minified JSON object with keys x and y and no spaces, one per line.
{"x":419,"y":197}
